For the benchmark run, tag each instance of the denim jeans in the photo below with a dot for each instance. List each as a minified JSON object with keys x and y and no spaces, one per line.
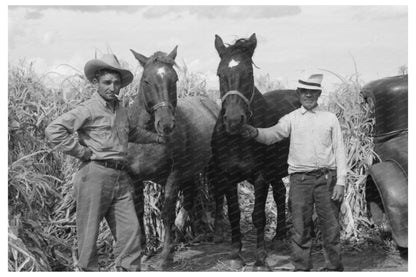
{"x":102,"y":192}
{"x":307,"y":192}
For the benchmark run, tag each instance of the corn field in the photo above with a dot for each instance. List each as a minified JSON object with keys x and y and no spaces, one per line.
{"x":41,"y":225}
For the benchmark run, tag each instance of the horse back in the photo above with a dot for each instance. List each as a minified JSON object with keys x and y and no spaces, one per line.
{"x":281,"y":102}
{"x":191,"y":145}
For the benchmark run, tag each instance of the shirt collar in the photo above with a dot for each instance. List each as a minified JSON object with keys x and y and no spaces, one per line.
{"x":103,"y":102}
{"x":314,"y":110}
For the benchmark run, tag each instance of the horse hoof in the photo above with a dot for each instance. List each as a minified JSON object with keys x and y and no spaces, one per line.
{"x":162,"y":265}
{"x":218,"y":239}
{"x":261,"y":256}
{"x":282,"y":235}
{"x":280,"y":245}
{"x":263,"y":267}
{"x":237,"y":264}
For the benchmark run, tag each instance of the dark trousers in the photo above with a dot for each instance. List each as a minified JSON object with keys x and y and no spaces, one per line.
{"x":102,"y":192}
{"x":306,"y":192}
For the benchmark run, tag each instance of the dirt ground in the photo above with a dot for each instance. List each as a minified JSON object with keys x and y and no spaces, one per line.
{"x":213,"y":257}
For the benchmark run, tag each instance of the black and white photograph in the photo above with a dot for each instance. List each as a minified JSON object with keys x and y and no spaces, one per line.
{"x":220,"y":136}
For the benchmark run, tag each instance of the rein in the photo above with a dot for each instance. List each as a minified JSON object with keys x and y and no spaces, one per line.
{"x":239,"y":94}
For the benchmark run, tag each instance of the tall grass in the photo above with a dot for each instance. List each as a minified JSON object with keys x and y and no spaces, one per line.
{"x":353,"y":114}
{"x":42,"y":233}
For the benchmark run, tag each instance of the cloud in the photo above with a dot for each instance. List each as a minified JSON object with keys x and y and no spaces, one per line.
{"x":37,"y":12}
{"x":230,"y":12}
{"x":210,"y":12}
{"x":379,"y":12}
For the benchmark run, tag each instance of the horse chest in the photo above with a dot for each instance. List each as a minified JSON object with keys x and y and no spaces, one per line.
{"x":236,"y":159}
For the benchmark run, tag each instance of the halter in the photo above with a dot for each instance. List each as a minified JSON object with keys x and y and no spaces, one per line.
{"x":239,"y":94}
{"x":160,"y":105}
{"x":157,"y":106}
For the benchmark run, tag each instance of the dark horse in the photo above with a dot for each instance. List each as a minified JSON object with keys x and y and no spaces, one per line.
{"x":388,"y":183}
{"x":236,"y":159}
{"x":188,"y":123}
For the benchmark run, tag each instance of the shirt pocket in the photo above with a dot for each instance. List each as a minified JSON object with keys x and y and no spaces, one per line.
{"x":325,"y":136}
{"x":101,"y":133}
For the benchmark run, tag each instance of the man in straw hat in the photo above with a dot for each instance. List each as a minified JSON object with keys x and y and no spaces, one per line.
{"x":103,"y":189}
{"x":317,"y":168}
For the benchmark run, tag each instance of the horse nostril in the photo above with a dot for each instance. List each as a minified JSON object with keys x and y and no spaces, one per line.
{"x":158,"y":126}
{"x":243,"y":118}
{"x":168,"y":129}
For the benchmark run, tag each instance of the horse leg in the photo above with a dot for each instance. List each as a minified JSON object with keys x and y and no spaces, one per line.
{"x":188,"y":189}
{"x":168,"y":217}
{"x":279,"y":195}
{"x":189,"y":194}
{"x":138,"y":200}
{"x":234,"y":217}
{"x":218,"y":194}
{"x":259,"y":218}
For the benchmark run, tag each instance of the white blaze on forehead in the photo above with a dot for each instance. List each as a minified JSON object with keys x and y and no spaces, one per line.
{"x":233,"y":63}
{"x":161,"y":71}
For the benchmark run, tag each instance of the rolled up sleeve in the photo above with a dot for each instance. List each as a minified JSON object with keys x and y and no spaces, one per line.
{"x":60,"y":132}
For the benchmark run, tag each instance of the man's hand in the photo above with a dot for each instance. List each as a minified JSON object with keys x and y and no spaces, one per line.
{"x":162,"y":140}
{"x":87,"y":155}
{"x":248,"y":131}
{"x":338,"y":194}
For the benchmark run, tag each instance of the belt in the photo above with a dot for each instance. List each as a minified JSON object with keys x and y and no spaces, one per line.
{"x":317,"y":172}
{"x":114,"y":164}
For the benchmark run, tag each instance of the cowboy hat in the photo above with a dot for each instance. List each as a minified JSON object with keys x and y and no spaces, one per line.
{"x":107,"y":61}
{"x":313,"y":82}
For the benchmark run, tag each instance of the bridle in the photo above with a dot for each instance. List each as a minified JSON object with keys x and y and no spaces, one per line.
{"x":245,"y":100}
{"x":161,"y":104}
{"x":158,"y":106}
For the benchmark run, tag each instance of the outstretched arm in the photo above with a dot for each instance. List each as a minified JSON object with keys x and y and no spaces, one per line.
{"x":269,"y":135}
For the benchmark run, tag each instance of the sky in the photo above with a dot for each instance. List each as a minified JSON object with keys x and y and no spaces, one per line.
{"x":292,"y":41}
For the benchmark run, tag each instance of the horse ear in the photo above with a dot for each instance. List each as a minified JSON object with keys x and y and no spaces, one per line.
{"x":173,"y":53}
{"x":141,"y":58}
{"x":252,"y":42}
{"x":219,"y":45}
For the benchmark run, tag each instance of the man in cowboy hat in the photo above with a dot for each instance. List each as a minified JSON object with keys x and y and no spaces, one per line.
{"x":317,"y":168}
{"x":103,"y":189}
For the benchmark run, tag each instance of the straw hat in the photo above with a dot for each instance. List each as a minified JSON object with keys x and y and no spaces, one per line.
{"x":107,"y":61}
{"x":313,"y":82}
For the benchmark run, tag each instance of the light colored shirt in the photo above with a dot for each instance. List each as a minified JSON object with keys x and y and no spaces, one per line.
{"x":105,"y":130}
{"x":315,"y":141}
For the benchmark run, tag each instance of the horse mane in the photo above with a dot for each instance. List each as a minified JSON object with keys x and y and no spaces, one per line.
{"x":162,"y":57}
{"x":240,"y":46}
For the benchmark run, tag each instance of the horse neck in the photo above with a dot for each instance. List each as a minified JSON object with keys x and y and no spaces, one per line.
{"x":259,"y":108}
{"x":138,"y":112}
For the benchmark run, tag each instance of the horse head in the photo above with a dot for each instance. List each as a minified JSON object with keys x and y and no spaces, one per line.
{"x":235,"y":72}
{"x":158,"y":89}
